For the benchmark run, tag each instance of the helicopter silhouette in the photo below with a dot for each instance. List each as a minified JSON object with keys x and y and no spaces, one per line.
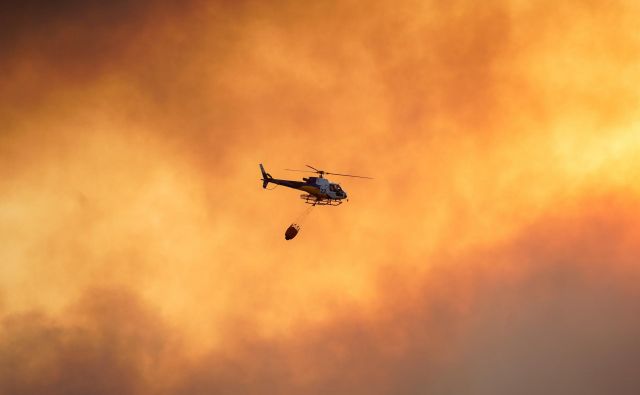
{"x":319,"y":190}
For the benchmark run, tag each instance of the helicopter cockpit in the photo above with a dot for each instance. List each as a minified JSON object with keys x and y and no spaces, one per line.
{"x":339,"y":192}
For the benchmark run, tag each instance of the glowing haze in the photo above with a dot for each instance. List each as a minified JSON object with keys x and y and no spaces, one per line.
{"x":496,"y":251}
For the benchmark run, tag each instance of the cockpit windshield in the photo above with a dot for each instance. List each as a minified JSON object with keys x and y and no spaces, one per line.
{"x":338,"y":192}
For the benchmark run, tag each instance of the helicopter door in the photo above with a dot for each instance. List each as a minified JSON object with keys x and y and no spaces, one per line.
{"x":334,"y":190}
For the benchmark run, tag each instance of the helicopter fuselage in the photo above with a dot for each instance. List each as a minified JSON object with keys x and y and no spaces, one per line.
{"x":319,"y":189}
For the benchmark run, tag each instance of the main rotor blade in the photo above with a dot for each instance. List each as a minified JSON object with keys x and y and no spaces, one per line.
{"x":326,"y":172}
{"x":348,"y":175}
{"x":302,"y":171}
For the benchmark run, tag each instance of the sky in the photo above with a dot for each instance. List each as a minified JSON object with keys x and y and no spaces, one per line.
{"x":495,"y":252}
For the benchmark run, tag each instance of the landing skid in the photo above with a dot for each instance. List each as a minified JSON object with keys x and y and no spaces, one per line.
{"x":310,"y":199}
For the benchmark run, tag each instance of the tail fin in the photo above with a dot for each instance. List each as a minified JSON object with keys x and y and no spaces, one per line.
{"x":265,"y":176}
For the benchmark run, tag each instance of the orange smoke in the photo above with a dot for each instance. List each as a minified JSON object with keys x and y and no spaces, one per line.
{"x":141,"y":254}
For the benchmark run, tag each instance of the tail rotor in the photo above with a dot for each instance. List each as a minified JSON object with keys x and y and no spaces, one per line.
{"x":266,"y":177}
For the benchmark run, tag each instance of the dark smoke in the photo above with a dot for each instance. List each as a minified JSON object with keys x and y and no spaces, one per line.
{"x":537,"y":315}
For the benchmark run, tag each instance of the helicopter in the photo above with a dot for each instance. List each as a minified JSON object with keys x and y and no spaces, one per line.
{"x":319,"y":190}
